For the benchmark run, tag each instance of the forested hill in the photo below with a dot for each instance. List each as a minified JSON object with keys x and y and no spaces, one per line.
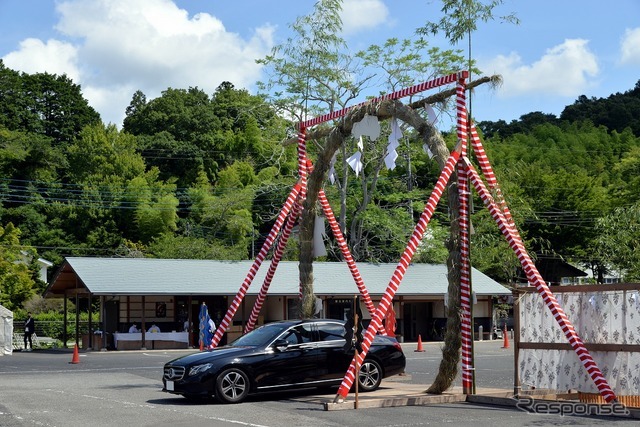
{"x":615,"y":112}
{"x":204,"y":176}
{"x":575,"y":183}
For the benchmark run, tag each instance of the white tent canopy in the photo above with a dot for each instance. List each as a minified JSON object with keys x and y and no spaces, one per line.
{"x":6,"y":331}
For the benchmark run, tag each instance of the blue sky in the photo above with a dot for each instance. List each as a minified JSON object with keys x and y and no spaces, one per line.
{"x":559,"y":51}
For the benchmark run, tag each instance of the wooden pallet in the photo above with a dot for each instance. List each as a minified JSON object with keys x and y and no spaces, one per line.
{"x":630,"y":401}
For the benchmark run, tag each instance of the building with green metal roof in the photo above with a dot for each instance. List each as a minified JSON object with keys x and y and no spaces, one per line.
{"x":168,"y":292}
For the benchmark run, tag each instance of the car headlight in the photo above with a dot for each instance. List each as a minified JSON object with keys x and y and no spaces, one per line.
{"x":198,"y":369}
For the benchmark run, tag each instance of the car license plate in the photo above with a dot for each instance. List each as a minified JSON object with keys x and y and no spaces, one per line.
{"x":170,"y":386}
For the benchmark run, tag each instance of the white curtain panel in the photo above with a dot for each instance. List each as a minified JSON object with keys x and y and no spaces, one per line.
{"x":605,"y":317}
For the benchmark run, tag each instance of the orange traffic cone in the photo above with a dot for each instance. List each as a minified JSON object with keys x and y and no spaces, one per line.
{"x":506,"y":337}
{"x":76,"y":356}
{"x":419,"y":344}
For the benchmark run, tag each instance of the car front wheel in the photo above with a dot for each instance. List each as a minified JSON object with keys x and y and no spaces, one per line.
{"x":370,"y":375}
{"x":232,"y":386}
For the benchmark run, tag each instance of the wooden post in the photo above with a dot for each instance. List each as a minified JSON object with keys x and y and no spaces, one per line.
{"x":516,"y":343}
{"x":65,"y":338}
{"x":143,"y":344}
{"x":90,"y":344}
{"x":190,"y":320}
{"x":103,"y":317}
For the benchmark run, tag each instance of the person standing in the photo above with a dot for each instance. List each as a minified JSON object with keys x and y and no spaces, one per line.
{"x":29,"y":329}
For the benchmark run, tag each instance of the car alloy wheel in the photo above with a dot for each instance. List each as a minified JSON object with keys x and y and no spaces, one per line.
{"x":370,"y":375}
{"x":232,"y":386}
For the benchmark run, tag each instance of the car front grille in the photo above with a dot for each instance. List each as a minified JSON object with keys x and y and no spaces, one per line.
{"x":173,"y":373}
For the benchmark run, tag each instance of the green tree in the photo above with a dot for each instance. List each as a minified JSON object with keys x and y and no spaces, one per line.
{"x":155,"y":206}
{"x":16,"y":280}
{"x":173,"y":158}
{"x":14,"y":113}
{"x":185,"y":131}
{"x":102,"y":163}
{"x":114,"y":191}
{"x":569,"y":175}
{"x":249,"y":129}
{"x":404,"y":63}
{"x":178,"y":129}
{"x":102,"y":152}
{"x":461,"y":18}
{"x":311,"y":73}
{"x":37,"y":304}
{"x":28,"y":157}
{"x":616,"y":112}
{"x":619,"y":241}
{"x":432,"y":249}
{"x":222,"y":213}
{"x":626,"y":180}
{"x":191,"y":247}
{"x":45,"y":104}
{"x":184,"y":113}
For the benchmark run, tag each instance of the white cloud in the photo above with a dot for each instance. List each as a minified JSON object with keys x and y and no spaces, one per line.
{"x":150,"y":45}
{"x":54,"y":56}
{"x":155,"y":42}
{"x":363,"y":14}
{"x":630,"y":47}
{"x":564,"y":70}
{"x":111,"y":101}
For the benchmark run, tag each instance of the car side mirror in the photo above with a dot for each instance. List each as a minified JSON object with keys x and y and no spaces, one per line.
{"x":280,"y":344}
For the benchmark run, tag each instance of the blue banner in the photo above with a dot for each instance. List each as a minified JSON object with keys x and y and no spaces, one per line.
{"x":206,"y":330}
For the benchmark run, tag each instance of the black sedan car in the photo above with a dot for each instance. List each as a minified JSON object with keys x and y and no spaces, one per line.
{"x":277,"y":356}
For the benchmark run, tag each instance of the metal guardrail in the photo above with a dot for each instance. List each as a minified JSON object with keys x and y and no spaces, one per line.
{"x":37,"y":341}
{"x":51,"y":330}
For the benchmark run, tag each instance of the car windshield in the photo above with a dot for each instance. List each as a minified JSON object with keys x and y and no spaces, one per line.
{"x":261,"y":336}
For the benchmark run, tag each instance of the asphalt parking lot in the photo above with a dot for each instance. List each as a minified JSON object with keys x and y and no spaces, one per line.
{"x":124,"y":388}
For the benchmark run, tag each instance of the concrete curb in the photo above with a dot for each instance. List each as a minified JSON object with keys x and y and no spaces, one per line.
{"x":390,"y":402}
{"x":396,"y":394}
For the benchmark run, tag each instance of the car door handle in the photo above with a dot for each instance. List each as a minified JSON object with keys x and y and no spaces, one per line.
{"x":307,"y":346}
